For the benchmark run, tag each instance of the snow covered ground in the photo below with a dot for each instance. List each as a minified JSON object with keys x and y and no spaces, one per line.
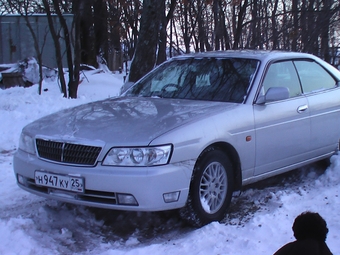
{"x":259,"y":220}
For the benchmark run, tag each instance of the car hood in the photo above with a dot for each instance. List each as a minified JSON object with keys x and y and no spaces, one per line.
{"x":123,"y":121}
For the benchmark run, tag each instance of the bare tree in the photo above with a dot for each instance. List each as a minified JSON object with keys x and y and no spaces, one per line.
{"x":73,"y":66}
{"x":57,"y":46}
{"x":151,"y":29}
{"x":164,"y":19}
{"x":130,"y":23}
{"x":73,"y":63}
{"x":221,"y":35}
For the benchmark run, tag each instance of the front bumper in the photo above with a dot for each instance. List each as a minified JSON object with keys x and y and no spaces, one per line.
{"x":104,"y":184}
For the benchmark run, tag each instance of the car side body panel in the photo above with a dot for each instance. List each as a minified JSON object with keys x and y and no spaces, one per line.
{"x":325,"y":120}
{"x":282,"y":134}
{"x":234,"y":127}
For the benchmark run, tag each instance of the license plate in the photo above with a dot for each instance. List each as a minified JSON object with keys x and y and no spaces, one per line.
{"x":63,"y":182}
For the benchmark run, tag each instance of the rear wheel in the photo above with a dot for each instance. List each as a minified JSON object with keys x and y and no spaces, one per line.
{"x":210,"y":189}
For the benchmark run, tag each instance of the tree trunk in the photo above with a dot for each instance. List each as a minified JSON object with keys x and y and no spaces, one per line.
{"x":255,"y":28}
{"x":88,"y":55}
{"x":161,"y":56}
{"x":73,"y":81}
{"x":100,"y":27}
{"x":55,"y":38}
{"x":73,"y":85}
{"x":274,"y":30}
{"x":325,"y":24}
{"x":240,"y":18}
{"x":145,"y":55}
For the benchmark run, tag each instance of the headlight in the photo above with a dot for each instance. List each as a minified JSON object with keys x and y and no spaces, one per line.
{"x":139,"y":156}
{"x":26,"y":143}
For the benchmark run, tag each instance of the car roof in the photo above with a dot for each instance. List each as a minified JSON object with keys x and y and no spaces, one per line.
{"x":252,"y":54}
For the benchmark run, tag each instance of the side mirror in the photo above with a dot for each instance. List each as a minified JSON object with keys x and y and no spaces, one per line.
{"x":274,"y":94}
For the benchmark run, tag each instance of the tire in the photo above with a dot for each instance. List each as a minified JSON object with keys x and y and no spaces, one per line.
{"x":211,"y":189}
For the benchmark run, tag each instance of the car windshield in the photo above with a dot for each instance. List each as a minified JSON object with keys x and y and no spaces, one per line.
{"x":212,"y":79}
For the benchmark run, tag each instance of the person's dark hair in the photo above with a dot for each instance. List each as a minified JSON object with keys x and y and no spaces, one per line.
{"x":309,"y":225}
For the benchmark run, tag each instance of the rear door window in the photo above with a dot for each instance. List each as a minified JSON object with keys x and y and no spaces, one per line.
{"x":313,"y":77}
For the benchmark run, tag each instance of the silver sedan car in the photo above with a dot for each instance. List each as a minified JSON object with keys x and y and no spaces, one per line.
{"x":187,"y":135}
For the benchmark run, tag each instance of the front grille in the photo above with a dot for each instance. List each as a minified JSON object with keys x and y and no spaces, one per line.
{"x":67,"y":152}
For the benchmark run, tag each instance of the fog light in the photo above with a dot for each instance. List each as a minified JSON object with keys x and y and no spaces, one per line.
{"x":21,"y":179}
{"x":126,"y":199}
{"x":171,"y":197}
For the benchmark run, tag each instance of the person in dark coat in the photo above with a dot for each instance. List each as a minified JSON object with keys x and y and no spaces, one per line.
{"x":310,"y":231}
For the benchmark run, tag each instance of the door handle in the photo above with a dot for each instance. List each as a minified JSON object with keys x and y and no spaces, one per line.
{"x":302,"y":108}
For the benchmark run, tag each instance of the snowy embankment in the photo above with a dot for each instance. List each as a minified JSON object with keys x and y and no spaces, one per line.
{"x":259,"y":220}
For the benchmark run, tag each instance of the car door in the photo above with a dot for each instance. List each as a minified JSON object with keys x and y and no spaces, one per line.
{"x":323,"y":95}
{"x":282,"y":127}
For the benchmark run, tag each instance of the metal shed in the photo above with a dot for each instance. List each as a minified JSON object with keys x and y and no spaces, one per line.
{"x":16,"y":42}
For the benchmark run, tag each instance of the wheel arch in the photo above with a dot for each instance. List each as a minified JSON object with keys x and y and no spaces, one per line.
{"x":234,"y":158}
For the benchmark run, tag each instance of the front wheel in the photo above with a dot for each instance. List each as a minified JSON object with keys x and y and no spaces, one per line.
{"x":210,"y":189}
